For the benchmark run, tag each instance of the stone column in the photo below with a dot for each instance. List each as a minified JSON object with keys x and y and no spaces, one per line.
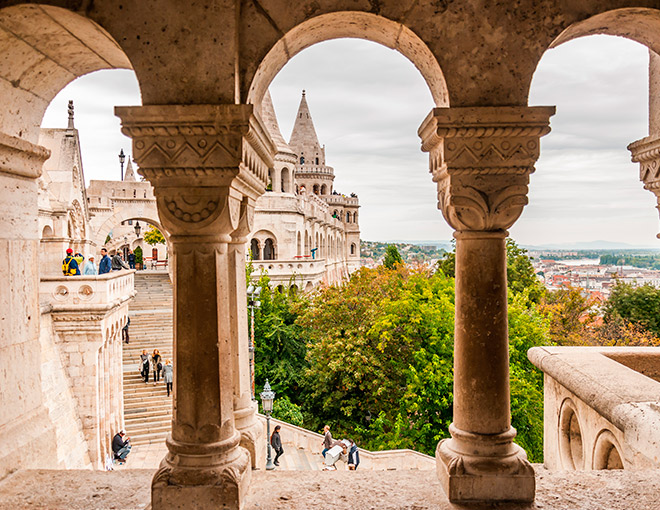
{"x":245,"y":409}
{"x":203,"y":162}
{"x":481,"y":159}
{"x":276,"y":178}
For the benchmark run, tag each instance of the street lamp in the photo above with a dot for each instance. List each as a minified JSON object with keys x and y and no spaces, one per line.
{"x":137,"y":228}
{"x":253,"y":292}
{"x":122,"y":159}
{"x":267,"y":397}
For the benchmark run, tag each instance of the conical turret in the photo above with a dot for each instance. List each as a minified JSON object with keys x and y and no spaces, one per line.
{"x":304,"y":141}
{"x":270,"y":121}
{"x":130,"y":174}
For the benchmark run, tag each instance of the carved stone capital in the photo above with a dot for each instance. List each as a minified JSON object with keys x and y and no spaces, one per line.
{"x":202,"y":160}
{"x":20,"y":157}
{"x":481,"y":158}
{"x":646,"y":152}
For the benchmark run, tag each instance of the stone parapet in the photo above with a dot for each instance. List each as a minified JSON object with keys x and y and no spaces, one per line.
{"x":600,"y":407}
{"x":89,"y":293}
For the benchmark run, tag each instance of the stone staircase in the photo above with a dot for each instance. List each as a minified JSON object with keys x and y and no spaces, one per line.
{"x":147,"y":408}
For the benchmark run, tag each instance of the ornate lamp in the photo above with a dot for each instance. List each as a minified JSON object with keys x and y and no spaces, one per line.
{"x":137,"y":228}
{"x":267,"y":398}
{"x":122,"y":159}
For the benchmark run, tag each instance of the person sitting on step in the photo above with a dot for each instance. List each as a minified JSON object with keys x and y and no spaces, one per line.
{"x":121,"y":446}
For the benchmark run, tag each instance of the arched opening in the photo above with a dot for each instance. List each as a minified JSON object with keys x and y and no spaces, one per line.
{"x":352,"y":248}
{"x":47,"y":232}
{"x":316,"y":189}
{"x":570,"y":437}
{"x":324,"y":189}
{"x":607,"y":452}
{"x":269,"y":249}
{"x":255,"y":249}
{"x":286,"y":180}
{"x":348,"y":217}
{"x":298,"y":245}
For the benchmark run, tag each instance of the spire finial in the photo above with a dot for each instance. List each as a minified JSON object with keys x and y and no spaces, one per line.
{"x":70,"y":126}
{"x":303,"y":92}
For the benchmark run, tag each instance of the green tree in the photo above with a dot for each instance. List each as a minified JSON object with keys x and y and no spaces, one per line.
{"x":638,"y":305}
{"x":153,"y":236}
{"x":138,"y":256}
{"x":520,"y":273}
{"x":285,"y":410}
{"x":392,"y":257}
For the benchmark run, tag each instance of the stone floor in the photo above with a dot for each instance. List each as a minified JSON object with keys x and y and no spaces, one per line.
{"x":336,"y":490}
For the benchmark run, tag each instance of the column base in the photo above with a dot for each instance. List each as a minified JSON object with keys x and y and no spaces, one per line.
{"x":252,"y":433}
{"x":184,"y":482}
{"x":470,"y":478}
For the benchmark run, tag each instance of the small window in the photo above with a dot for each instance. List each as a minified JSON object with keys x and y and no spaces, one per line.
{"x":317,"y":161}
{"x":302,"y":160}
{"x":348,"y":217}
{"x":134,"y":193}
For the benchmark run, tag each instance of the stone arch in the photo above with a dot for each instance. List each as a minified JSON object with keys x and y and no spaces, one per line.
{"x":315,"y":189}
{"x":638,"y":24}
{"x":356,"y":25}
{"x":352,"y":248}
{"x":148,"y":214}
{"x":299,"y":245}
{"x":269,"y":249}
{"x":63,"y":46}
{"x":47,"y":232}
{"x":324,"y":189}
{"x":286,"y":180}
{"x":607,"y":452}
{"x":571,"y":447}
{"x":255,"y":249}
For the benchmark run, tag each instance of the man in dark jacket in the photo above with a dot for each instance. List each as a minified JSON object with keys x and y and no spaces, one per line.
{"x":105,"y":265}
{"x":120,"y":446}
{"x":276,"y":443}
{"x":131,"y":259}
{"x":117,"y":262}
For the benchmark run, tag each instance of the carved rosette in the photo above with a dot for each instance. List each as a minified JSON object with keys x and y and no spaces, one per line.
{"x":646,"y":152}
{"x":481,"y":159}
{"x":202,"y":160}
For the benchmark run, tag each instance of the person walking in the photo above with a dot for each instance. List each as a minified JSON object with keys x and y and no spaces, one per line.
{"x":117,"y":262}
{"x":144,"y":365}
{"x":353,"y":456}
{"x":124,"y":330}
{"x":69,"y":264}
{"x":327,"y":440}
{"x":105,"y":265}
{"x":156,"y":365}
{"x":276,"y":443}
{"x":168,"y":375}
{"x":131,"y":259}
{"x":90,"y":267}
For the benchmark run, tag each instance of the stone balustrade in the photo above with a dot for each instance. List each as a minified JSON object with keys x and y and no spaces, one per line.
{"x":601,"y":407}
{"x":298,"y":437}
{"x":100,"y":292}
{"x":342,"y":200}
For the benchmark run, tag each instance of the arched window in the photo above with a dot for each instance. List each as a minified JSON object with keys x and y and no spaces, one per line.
{"x":348,"y":217}
{"x":299,"y":246}
{"x":355,"y":217}
{"x":254,"y":248}
{"x":306,"y":243}
{"x":324,"y":189}
{"x":317,"y":161}
{"x":352,"y":248}
{"x":297,"y":189}
{"x":286,"y":181}
{"x":47,"y":232}
{"x":134,"y":193}
{"x":269,"y":249}
{"x":302,"y":160}
{"x":335,"y":214}
{"x":145,"y":194}
{"x":316,"y":189}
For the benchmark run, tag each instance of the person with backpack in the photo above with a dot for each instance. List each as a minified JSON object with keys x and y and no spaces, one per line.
{"x":144,"y":363}
{"x":69,"y":264}
{"x":168,"y":375}
{"x":157,"y":365}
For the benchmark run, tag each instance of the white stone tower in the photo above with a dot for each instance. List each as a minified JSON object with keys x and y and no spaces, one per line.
{"x":311,"y":170}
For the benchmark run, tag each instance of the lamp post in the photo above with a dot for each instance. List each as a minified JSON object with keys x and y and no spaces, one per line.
{"x":122,"y":159}
{"x":267,"y":397}
{"x":253,"y":292}
{"x":138,"y":228}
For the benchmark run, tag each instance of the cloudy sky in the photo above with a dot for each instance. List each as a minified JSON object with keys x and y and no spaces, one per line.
{"x":367,"y":102}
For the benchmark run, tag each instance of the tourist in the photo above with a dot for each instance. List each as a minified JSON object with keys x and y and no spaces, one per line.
{"x":276,"y":442}
{"x":168,"y":375}
{"x":327,"y":440}
{"x":90,"y":267}
{"x":117,"y":262}
{"x":144,"y":365}
{"x":121,"y":446}
{"x":353,"y":456}
{"x":69,"y":264}
{"x":79,"y":258}
{"x":105,"y":265}
{"x":124,"y":330}
{"x":156,"y":365}
{"x":131,"y":259}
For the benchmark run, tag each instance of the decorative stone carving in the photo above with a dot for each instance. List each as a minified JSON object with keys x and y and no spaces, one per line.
{"x":481,"y":159}
{"x":20,"y":157}
{"x":646,"y":152}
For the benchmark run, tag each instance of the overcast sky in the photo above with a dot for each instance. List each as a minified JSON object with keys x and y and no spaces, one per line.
{"x":367,"y":102}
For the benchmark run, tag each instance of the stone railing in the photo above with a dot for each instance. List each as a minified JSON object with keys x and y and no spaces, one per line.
{"x":68,"y":293}
{"x":601,"y":407}
{"x":303,"y":268}
{"x":298,"y":437}
{"x":341,"y":200}
{"x":315,"y":169}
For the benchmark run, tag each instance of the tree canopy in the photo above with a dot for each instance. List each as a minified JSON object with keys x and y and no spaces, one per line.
{"x":153,"y":236}
{"x":392,"y":257}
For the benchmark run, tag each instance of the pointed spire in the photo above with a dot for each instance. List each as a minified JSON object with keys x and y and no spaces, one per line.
{"x":70,"y":126}
{"x":270,"y":121}
{"x":304,"y":141}
{"x":130,"y":174}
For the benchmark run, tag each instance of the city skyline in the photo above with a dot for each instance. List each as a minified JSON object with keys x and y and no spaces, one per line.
{"x":367,"y":102}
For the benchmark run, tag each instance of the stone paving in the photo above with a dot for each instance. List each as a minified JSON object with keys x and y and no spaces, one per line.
{"x":336,"y":490}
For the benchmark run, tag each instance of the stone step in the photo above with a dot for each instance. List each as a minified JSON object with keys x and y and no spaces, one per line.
{"x":158,"y":437}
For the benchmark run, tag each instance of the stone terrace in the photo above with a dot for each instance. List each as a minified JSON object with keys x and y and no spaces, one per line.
{"x":341,"y":490}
